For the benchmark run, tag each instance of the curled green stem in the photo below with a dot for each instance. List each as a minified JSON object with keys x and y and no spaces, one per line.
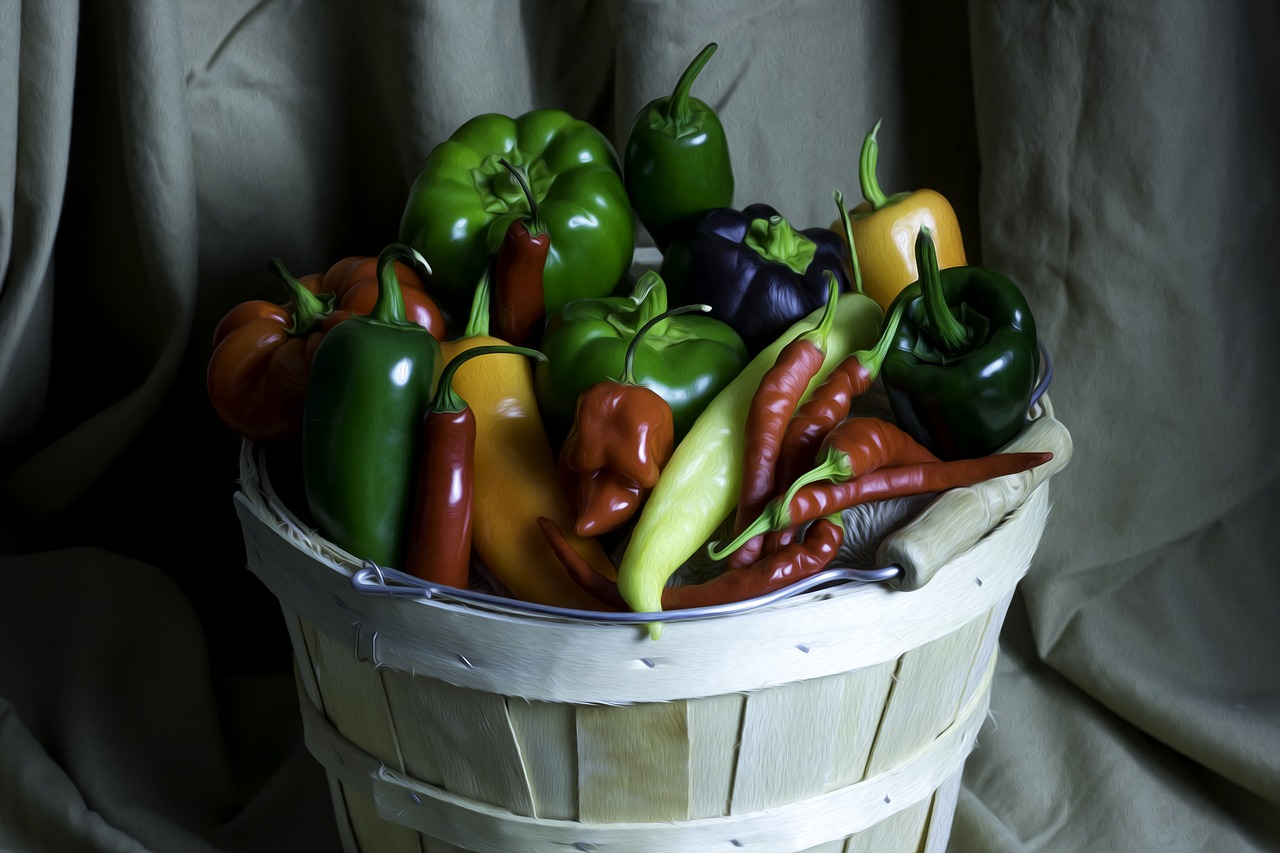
{"x":628,"y":362}
{"x":308,"y":308}
{"x":447,"y":399}
{"x":950,"y":333}
{"x":867,"y":170}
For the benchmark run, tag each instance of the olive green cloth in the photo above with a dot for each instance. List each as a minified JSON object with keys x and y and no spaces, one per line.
{"x":1119,"y":160}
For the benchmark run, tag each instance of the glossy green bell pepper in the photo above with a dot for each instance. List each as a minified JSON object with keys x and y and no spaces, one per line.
{"x":964,"y":362}
{"x":676,"y":160}
{"x":687,"y":359}
{"x":463,"y":201}
{"x":370,"y":385}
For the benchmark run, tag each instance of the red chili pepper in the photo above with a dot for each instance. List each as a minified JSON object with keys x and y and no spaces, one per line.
{"x":772,"y":406}
{"x":623,"y":434}
{"x":518,"y":296}
{"x":795,"y":562}
{"x":814,"y":500}
{"x":439,"y":548}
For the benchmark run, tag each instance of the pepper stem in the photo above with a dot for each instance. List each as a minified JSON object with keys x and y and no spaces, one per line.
{"x":389,"y":307}
{"x":650,"y":296}
{"x":867,"y":170}
{"x":478,"y":319}
{"x":848,"y":238}
{"x":873,"y":359}
{"x":534,"y":222}
{"x":777,"y":240}
{"x":628,"y":362}
{"x":835,"y":466}
{"x":308,"y":308}
{"x":446,"y":399}
{"x":950,"y":333}
{"x":819,"y":333}
{"x":678,"y":104}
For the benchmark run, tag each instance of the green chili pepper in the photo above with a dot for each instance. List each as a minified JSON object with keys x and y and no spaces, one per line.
{"x":676,"y":161}
{"x":464,"y":200}
{"x":686,"y":360}
{"x":370,"y":385}
{"x":964,"y":362}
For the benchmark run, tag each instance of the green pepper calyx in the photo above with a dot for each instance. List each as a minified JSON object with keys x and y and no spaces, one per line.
{"x":308,"y":308}
{"x":774,"y":239}
{"x":389,"y":309}
{"x":628,"y":361}
{"x":949,"y":333}
{"x":679,"y":115}
{"x":500,"y":192}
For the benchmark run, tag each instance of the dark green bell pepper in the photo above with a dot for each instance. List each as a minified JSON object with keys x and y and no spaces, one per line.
{"x":687,"y":359}
{"x":463,"y":201}
{"x":964,"y":363}
{"x":370,"y":385}
{"x":676,"y":160}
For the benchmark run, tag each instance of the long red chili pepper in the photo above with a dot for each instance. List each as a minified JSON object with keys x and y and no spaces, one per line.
{"x":795,"y":562}
{"x":519,"y":300}
{"x":439,"y":548}
{"x":772,"y":406}
{"x":814,"y":500}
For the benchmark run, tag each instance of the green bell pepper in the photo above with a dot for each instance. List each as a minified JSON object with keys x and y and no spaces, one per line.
{"x":463,"y":201}
{"x":686,"y":359}
{"x":370,"y":385}
{"x":676,"y":161}
{"x":964,"y":362}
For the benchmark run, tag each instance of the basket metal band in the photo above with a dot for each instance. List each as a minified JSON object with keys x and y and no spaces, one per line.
{"x":800,"y":825}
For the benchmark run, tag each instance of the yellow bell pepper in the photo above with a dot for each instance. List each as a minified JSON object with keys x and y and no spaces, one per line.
{"x":885,"y":228}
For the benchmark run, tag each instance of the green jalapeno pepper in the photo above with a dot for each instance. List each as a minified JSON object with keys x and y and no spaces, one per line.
{"x":676,"y":161}
{"x":963,"y":365}
{"x":370,"y":385}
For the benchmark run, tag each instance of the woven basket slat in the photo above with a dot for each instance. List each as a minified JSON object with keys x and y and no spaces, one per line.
{"x":987,"y":648}
{"x":346,"y":830}
{"x":788,"y":740}
{"x":901,"y":833}
{"x":925,"y":695}
{"x":352,"y":697}
{"x":836,"y":846}
{"x":715,"y":727}
{"x":633,"y":763}
{"x":462,"y":737}
{"x":372,"y":833}
{"x":941,"y":814}
{"x":548,"y":739}
{"x":865,"y":694}
{"x":304,"y":669}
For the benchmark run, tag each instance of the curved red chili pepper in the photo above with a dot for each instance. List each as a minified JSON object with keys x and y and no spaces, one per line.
{"x":439,"y":548}
{"x":795,"y":562}
{"x":519,"y":299}
{"x":819,"y":499}
{"x":772,"y":406}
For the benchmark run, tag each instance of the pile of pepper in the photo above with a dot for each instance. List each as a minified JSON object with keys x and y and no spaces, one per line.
{"x":493,"y":400}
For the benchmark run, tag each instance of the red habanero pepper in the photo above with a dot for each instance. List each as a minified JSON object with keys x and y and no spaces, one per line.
{"x":623,"y":434}
{"x":439,"y":548}
{"x":814,"y":500}
{"x":772,"y":406}
{"x":519,"y":300}
{"x":794,"y":562}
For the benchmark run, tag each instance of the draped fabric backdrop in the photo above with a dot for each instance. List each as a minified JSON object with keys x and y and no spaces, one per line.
{"x":1119,"y":160}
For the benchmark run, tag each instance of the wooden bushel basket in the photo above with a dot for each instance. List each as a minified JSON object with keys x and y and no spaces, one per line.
{"x":836,"y":720}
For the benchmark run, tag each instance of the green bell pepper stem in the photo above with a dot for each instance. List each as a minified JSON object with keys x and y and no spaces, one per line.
{"x":848,"y":236}
{"x":308,"y":308}
{"x":534,"y":224}
{"x":833,"y":467}
{"x":677,"y":109}
{"x":776,"y":240}
{"x":629,"y":360}
{"x":447,"y":400}
{"x":478,"y":320}
{"x":650,"y":295}
{"x":867,"y":170}
{"x":951,"y":334}
{"x":820,"y":332}
{"x":389,"y":307}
